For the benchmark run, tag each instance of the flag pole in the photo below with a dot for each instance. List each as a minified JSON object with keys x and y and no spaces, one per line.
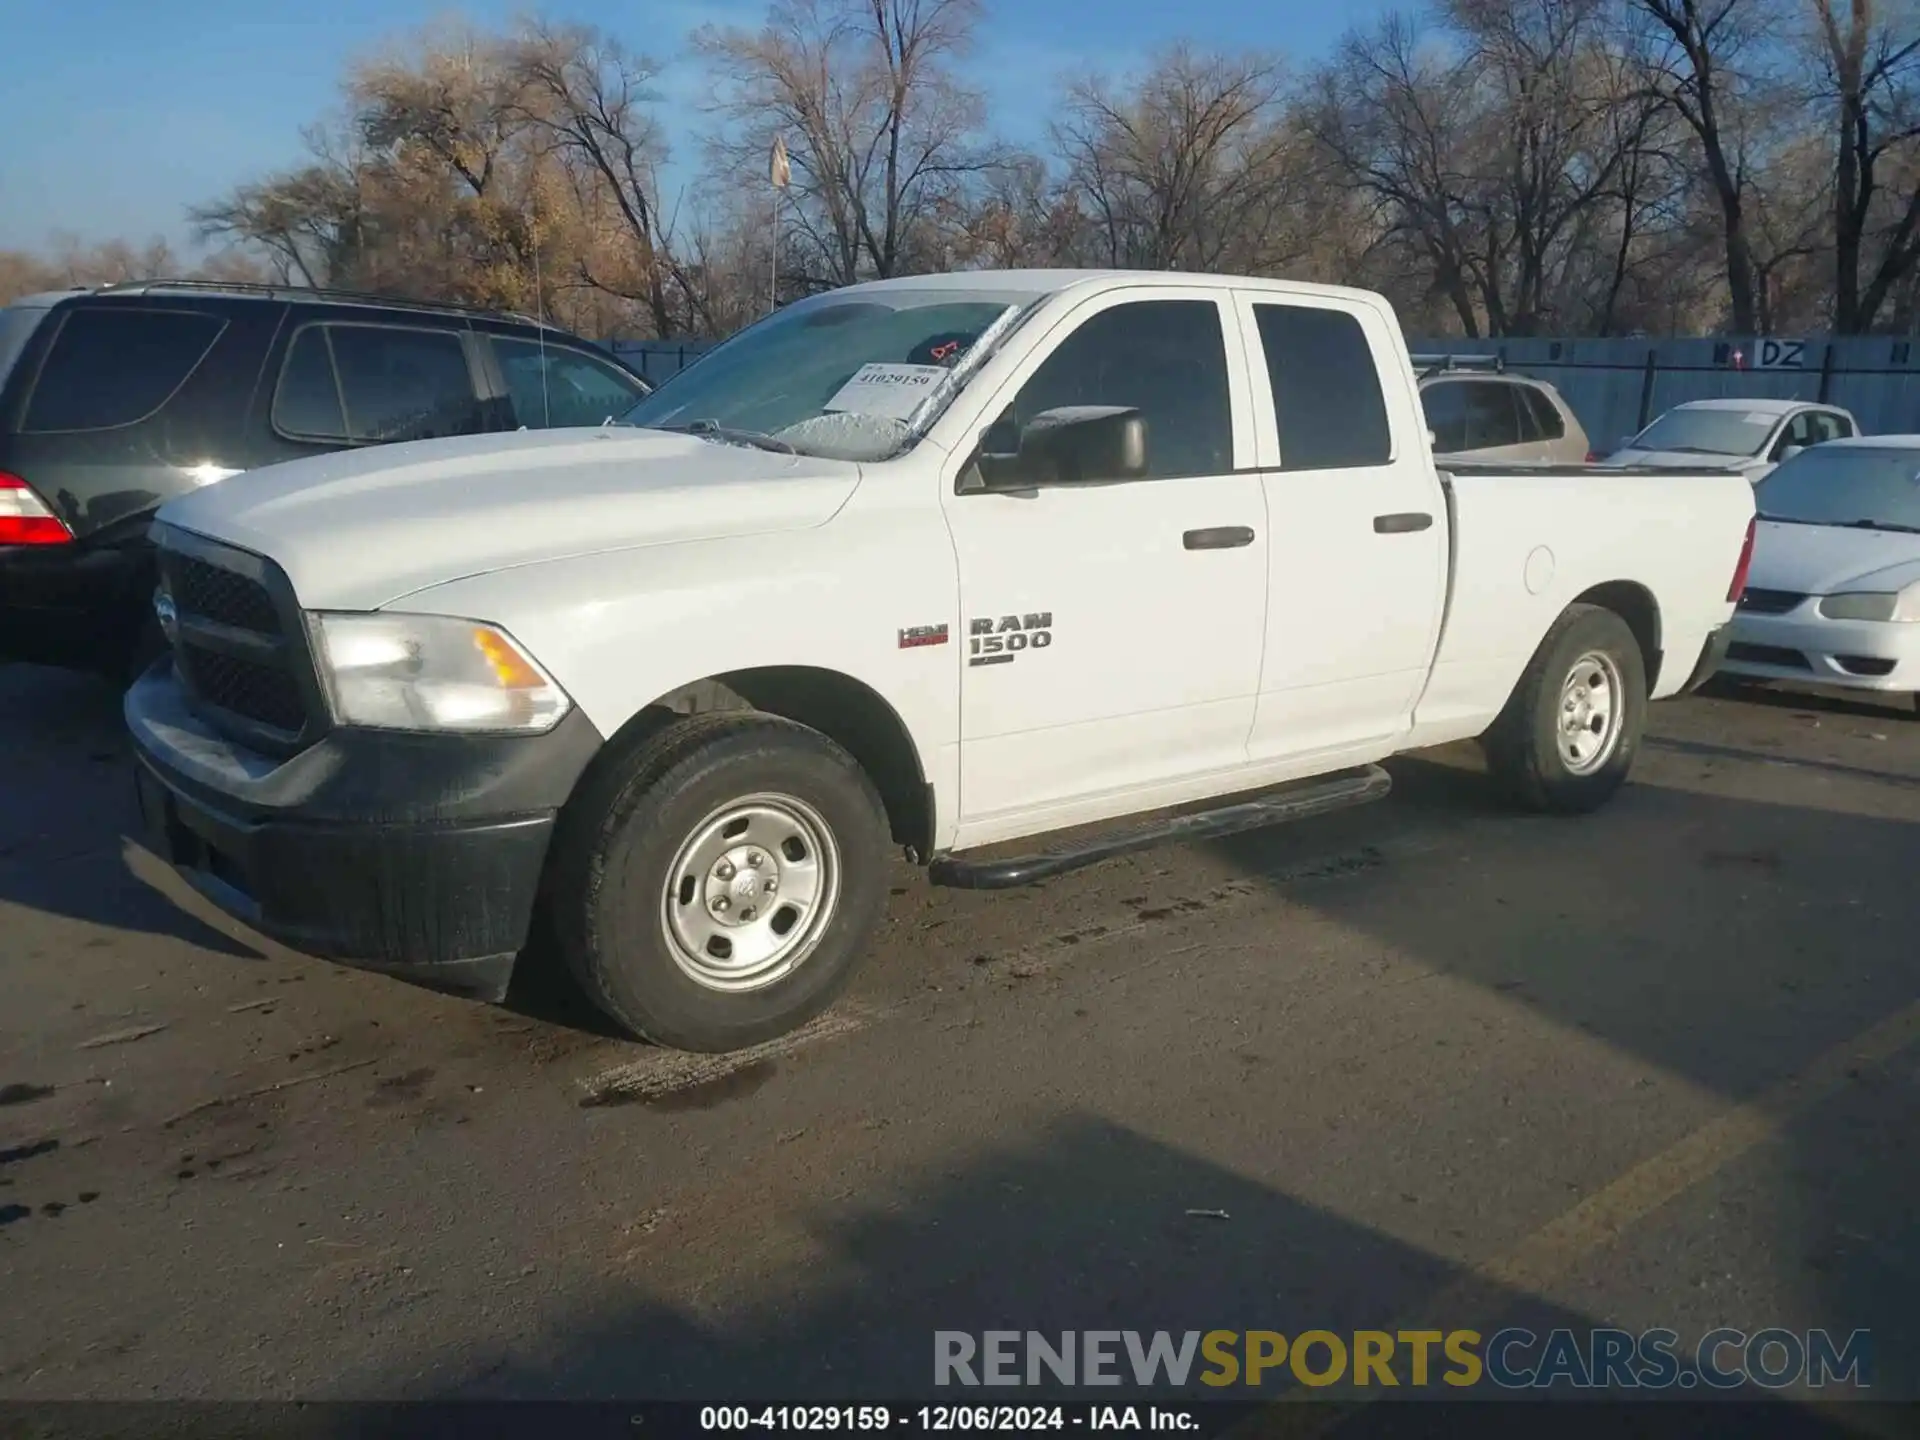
{"x":779,"y":172}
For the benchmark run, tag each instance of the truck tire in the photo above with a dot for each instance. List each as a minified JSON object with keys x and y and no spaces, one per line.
{"x":716,"y":886}
{"x":1572,"y":727}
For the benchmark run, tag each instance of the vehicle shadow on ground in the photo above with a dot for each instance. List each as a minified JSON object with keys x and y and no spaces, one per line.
{"x":1705,"y":750}
{"x":1785,"y":939}
{"x":1082,"y":1226}
{"x":67,"y":811}
{"x":1728,"y":943}
{"x":544,"y":989}
{"x":1891,"y":708}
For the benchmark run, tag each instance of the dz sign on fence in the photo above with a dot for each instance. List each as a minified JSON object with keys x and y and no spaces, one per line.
{"x":1779,"y":354}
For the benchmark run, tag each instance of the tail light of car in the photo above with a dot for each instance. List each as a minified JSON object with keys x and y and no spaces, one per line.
{"x":25,"y":518}
{"x":1739,"y":585}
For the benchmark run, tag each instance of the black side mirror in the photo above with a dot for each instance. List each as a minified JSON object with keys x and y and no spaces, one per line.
{"x":1071,"y":445}
{"x":1084,"y":444}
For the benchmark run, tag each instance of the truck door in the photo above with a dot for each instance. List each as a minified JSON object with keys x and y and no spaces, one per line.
{"x":1112,"y":630}
{"x":1357,"y":527}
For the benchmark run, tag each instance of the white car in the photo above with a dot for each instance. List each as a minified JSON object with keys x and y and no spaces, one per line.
{"x":946,"y":562}
{"x":1751,"y":436}
{"x":1835,"y":585}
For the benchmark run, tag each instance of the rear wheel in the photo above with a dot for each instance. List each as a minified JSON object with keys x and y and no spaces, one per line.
{"x":717,"y":886}
{"x":1571,"y":729}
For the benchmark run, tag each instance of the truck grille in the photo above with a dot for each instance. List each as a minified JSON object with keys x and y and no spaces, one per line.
{"x":254,"y":692}
{"x":222,"y":596}
{"x":238,"y":645}
{"x":1770,"y":602}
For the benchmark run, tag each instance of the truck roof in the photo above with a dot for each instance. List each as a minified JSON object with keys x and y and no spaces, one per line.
{"x":1040,"y":282}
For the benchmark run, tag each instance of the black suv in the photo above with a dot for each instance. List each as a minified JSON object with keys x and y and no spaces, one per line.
{"x":115,"y":400}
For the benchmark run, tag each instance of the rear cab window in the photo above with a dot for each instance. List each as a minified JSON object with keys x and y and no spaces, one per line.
{"x":112,"y":366}
{"x":357,"y":383}
{"x":1327,"y":404}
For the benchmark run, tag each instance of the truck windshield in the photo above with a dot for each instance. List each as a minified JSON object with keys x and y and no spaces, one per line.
{"x":1845,"y":485}
{"x":857,"y":375}
{"x":1708,"y":432}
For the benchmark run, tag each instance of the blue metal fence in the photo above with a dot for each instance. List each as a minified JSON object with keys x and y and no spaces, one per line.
{"x":1617,"y":386}
{"x":660,"y":360}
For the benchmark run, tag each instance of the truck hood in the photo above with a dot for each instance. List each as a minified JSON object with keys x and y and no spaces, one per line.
{"x":361,"y":528}
{"x":1752,"y":466}
{"x":1832,"y":559}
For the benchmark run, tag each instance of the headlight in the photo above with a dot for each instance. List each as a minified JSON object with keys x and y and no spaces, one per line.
{"x":428,"y":672}
{"x":1874,"y":605}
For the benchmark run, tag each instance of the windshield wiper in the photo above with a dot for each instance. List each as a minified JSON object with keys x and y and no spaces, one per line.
{"x":1788,"y":519}
{"x":727,"y":435}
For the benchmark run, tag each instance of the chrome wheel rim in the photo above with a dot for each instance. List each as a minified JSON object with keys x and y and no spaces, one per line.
{"x":750,"y":892}
{"x":1592,"y":712}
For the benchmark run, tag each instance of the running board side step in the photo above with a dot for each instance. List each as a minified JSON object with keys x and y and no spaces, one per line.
{"x":1299,"y":801}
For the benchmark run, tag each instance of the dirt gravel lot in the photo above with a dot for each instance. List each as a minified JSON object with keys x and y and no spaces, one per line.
{"x":1424,"y":1062}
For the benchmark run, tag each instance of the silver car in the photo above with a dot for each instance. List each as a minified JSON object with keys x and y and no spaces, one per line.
{"x":1752,"y":436}
{"x":1490,"y":417}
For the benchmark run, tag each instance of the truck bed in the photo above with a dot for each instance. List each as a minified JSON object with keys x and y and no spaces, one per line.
{"x":1526,"y":541}
{"x":1475,"y":468}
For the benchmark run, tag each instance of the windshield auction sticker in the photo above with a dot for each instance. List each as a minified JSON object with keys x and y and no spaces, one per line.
{"x":889,"y":390}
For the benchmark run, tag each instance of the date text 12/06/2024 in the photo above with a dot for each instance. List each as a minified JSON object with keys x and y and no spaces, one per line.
{"x":936,"y":1419}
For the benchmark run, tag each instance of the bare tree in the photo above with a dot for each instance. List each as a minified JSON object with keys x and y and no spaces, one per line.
{"x":1499,"y":166}
{"x":1634,"y":240}
{"x":311,"y":223}
{"x":1018,"y":217}
{"x":1872,"y":70}
{"x":1697,"y":49}
{"x":1194,"y":166}
{"x":593,"y":100}
{"x":452,"y":92}
{"x":1513,"y":146}
{"x":1386,"y":112}
{"x":1563,"y":121}
{"x":880,"y":133}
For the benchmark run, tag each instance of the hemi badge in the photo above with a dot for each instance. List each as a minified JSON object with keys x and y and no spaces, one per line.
{"x":918,"y":635}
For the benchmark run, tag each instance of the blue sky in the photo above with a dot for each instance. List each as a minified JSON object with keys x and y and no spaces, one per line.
{"x":144,"y":108}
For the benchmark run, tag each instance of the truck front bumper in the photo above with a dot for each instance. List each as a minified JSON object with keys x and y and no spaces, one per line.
{"x":416,"y":855}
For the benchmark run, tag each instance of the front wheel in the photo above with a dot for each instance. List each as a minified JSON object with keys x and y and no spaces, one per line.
{"x":1571,"y":729}
{"x":718,"y":886}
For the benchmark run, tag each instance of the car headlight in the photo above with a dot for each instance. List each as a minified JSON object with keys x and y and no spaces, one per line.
{"x":1903,"y":606}
{"x":430,"y":672}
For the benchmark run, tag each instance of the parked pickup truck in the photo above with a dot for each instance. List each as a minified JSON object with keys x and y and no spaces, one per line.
{"x":947,"y":562}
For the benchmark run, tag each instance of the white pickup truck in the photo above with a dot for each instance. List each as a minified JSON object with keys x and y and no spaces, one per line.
{"x":950,"y":562}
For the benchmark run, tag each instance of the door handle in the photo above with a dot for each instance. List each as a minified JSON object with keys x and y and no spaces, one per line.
{"x":1405,"y":523}
{"x":1220,"y":537}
